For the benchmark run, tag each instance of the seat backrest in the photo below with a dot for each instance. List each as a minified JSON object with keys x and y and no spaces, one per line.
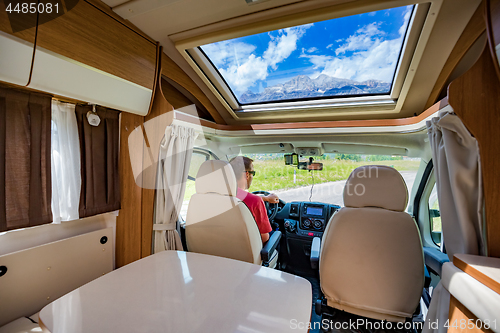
{"x":217,"y":222}
{"x":371,"y":261}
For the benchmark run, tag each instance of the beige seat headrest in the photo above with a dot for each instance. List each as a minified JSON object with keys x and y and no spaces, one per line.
{"x":376,"y":186}
{"x":216,"y":176}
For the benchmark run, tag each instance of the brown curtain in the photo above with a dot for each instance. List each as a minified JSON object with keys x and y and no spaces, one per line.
{"x":99,"y":161}
{"x":25,"y":180}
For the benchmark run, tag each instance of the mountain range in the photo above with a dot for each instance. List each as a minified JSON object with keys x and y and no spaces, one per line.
{"x":302,"y":86}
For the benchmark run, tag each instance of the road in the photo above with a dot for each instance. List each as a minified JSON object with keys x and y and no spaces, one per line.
{"x":329,"y":192}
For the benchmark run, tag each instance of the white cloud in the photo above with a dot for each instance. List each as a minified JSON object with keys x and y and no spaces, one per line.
{"x":224,"y":53}
{"x":239,"y":65}
{"x":329,"y":46}
{"x":406,"y":15}
{"x":319,"y":61}
{"x":280,"y":47}
{"x":373,"y":56}
{"x":365,"y":38}
{"x":241,"y":76}
{"x":312,"y":49}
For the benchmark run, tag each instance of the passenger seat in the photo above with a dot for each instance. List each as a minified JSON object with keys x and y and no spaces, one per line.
{"x":371,"y":262}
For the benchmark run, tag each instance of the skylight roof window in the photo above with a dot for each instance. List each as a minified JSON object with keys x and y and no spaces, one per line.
{"x":343,"y":57}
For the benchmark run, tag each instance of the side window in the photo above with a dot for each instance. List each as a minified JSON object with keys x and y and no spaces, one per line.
{"x":197,"y":160}
{"x":435,"y":216}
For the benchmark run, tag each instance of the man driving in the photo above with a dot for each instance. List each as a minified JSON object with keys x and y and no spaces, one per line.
{"x":244,"y":171}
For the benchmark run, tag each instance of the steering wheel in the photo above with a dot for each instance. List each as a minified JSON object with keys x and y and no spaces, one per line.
{"x":271,"y":208}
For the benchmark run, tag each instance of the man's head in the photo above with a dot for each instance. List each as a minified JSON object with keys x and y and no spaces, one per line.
{"x":243,"y":170}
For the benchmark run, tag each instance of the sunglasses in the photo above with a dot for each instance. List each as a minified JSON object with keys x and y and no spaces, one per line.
{"x":251,"y":172}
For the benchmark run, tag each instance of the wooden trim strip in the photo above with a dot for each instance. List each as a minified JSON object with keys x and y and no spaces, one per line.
{"x":466,"y":263}
{"x":129,"y":219}
{"x":489,"y":32}
{"x":159,"y":51}
{"x":320,"y":124}
{"x":3,"y":132}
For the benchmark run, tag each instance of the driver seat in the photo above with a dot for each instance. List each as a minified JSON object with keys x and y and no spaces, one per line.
{"x":220,"y":224}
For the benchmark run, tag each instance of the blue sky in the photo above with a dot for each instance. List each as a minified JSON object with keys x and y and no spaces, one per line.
{"x":359,"y":48}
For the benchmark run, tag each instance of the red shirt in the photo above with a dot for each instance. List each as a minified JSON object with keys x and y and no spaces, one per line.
{"x":258,"y":209}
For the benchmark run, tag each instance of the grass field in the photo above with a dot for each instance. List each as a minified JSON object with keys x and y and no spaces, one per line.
{"x":274,"y":175}
{"x":435,"y":221}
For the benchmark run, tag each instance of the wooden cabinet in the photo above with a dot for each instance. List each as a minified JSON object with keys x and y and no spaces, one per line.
{"x":12,"y":25}
{"x":90,"y":36}
{"x":85,"y":35}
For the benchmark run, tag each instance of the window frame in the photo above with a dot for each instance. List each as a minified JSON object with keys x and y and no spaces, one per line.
{"x":247,"y":106}
{"x":360,"y":104}
{"x":423,"y":217}
{"x":431,"y":221}
{"x":209,"y":154}
{"x":205,"y":152}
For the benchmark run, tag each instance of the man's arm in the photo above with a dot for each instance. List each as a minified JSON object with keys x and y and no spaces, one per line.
{"x":262,"y":220}
{"x":265,"y":237}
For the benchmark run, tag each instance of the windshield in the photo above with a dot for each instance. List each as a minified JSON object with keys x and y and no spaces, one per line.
{"x":291,"y":184}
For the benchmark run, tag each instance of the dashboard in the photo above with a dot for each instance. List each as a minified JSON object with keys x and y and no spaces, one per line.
{"x":300,"y":222}
{"x":306,"y":218}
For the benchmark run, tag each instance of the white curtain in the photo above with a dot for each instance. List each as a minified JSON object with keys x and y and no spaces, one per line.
{"x":176,"y":149}
{"x":457,"y":169}
{"x":65,"y":163}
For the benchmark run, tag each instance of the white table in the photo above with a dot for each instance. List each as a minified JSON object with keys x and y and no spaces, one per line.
{"x":182,"y":292}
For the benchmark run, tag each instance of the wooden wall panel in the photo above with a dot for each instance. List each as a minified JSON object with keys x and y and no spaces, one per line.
{"x":474,"y":97}
{"x":459,"y":317}
{"x":179,"y":97}
{"x":128,"y":223}
{"x":472,"y":32}
{"x":155,"y":123}
{"x":171,"y":70}
{"x":135,"y":223}
{"x":88,"y":35}
{"x":175,"y":98}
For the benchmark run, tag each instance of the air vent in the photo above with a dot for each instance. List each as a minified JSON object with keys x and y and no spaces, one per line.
{"x":294,"y":209}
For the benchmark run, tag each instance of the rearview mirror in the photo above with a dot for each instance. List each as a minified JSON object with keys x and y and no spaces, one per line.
{"x":315,"y":166}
